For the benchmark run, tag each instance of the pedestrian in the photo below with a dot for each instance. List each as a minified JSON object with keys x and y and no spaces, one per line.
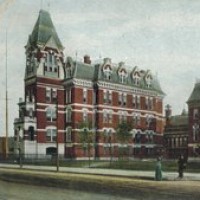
{"x":158,"y":170}
{"x":181,"y":165}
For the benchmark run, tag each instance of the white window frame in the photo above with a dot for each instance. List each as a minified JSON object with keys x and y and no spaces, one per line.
{"x":52,"y":133}
{"x":69,"y":134}
{"x":68,"y":115}
{"x":68,"y":95}
{"x":85,"y":94}
{"x":51,"y":114}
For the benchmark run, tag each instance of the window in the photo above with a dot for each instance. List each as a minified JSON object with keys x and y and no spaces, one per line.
{"x":51,"y":114}
{"x":84,"y":95}
{"x":122,"y":99}
{"x":149,"y":120}
{"x":122,"y":116}
{"x":195,"y":132}
{"x":85,"y":116}
{"x":51,"y":151}
{"x":136,"y":120}
{"x":69,"y":134}
{"x":137,"y":102}
{"x":105,"y":116}
{"x":51,"y":135}
{"x":110,"y":117}
{"x":31,"y":133}
{"x":148,"y":81}
{"x":149,"y":103}
{"x":107,"y":96}
{"x":54,"y":95}
{"x":134,"y":101}
{"x":138,"y":137}
{"x":136,"y":78}
{"x":195,"y":114}
{"x":48,"y":94}
{"x":31,"y":114}
{"x":68,"y":115}
{"x":123,"y":76}
{"x":107,"y":72}
{"x":68,"y":96}
{"x":149,"y":137}
{"x":51,"y":95}
{"x":107,"y":135}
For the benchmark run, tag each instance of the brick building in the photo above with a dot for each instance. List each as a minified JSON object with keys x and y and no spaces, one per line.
{"x":61,"y":94}
{"x":194,"y":122}
{"x":176,"y":134}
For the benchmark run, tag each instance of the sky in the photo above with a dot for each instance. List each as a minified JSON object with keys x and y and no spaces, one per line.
{"x":163,"y":36}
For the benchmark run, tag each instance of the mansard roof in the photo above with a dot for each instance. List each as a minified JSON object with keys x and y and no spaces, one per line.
{"x":95,"y":72}
{"x":44,"y":32}
{"x":155,"y":85}
{"x":195,"y":95}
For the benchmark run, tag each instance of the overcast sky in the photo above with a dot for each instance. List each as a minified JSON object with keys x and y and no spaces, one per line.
{"x":163,"y":36}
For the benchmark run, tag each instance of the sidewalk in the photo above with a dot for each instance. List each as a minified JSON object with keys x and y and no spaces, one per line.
{"x":173,"y":176}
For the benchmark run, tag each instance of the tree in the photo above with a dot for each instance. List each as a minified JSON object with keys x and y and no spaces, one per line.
{"x":123,"y":134}
{"x":86,"y":137}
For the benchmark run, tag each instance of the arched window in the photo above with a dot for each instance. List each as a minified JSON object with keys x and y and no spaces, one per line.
{"x":148,"y":80}
{"x":31,"y":133}
{"x":136,"y":78}
{"x":123,"y":75}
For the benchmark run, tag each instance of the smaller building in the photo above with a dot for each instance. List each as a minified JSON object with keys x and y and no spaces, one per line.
{"x":176,"y":134}
{"x":3,"y":147}
{"x":194,"y":122}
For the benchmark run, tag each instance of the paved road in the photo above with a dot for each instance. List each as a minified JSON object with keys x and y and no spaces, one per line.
{"x":16,"y":191}
{"x":109,"y":172}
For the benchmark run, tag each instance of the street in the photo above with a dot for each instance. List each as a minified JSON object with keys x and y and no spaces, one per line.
{"x":13,"y":191}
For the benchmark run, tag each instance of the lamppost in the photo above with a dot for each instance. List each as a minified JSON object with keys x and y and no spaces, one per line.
{"x":57,"y":153}
{"x":95,"y":134}
{"x":19,"y":148}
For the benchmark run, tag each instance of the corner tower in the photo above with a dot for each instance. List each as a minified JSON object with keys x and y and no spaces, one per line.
{"x":44,"y":50}
{"x":41,"y":115}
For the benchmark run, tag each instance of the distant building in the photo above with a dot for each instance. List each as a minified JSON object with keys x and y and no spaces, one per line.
{"x":176,"y":134}
{"x":3,"y":146}
{"x":60,"y":94}
{"x":194,"y":122}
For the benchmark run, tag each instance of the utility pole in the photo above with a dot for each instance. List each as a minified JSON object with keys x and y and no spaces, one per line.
{"x":6,"y":124}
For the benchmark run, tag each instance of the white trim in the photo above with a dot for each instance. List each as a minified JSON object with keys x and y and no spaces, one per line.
{"x":48,"y":104}
{"x":124,"y":88}
{"x":47,"y":85}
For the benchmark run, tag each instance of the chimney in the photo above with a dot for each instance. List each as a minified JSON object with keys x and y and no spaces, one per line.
{"x":87,"y":59}
{"x":168,"y":113}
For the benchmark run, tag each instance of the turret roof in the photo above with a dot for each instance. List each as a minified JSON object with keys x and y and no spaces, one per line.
{"x":44,"y":31}
{"x":195,"y":95}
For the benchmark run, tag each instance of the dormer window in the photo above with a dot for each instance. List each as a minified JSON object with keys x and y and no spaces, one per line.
{"x":148,"y":80}
{"x":122,"y":75}
{"x":136,"y":78}
{"x":107,"y":71}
